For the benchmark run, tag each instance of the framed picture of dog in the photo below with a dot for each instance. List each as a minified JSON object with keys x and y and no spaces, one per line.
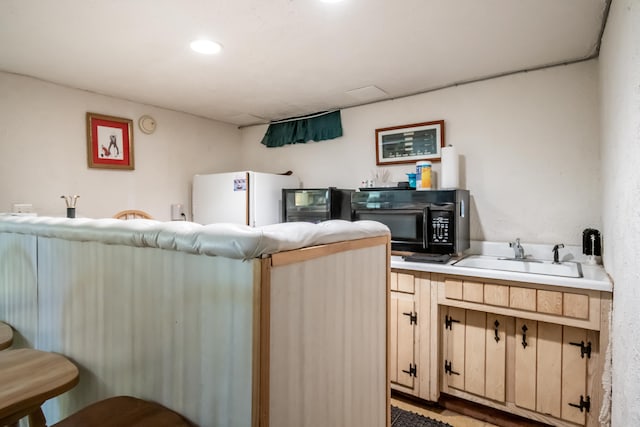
{"x":109,"y":142}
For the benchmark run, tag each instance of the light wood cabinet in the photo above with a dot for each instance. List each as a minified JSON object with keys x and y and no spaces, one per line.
{"x":413,"y":355}
{"x":550,"y":361}
{"x":474,"y":352}
{"x":551,"y":369}
{"x":532,"y":350}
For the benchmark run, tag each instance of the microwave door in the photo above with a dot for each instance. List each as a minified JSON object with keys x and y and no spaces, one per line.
{"x":407,"y":226}
{"x":425,"y":228}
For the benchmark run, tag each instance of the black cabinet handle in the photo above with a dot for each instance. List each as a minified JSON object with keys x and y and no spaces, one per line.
{"x":496,"y":324}
{"x":413,"y":317}
{"x":524,"y":336}
{"x":448,"y":369}
{"x":584,"y":349}
{"x":583,"y":405}
{"x":448,"y":322}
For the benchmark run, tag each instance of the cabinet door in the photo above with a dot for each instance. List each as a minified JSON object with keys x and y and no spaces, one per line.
{"x":475,"y":361}
{"x":549,"y":374}
{"x":402,"y":346}
{"x":574,"y":373}
{"x":526,"y":363}
{"x":496,"y":356}
{"x":453,"y":331}
{"x":474,"y":357}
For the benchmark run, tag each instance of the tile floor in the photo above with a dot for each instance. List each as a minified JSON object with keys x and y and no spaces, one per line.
{"x":440,"y":414}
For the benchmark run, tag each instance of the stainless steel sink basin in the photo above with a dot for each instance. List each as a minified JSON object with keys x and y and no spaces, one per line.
{"x":563,"y":269}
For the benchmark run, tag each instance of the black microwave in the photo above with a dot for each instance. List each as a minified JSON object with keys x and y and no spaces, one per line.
{"x":427,"y":221}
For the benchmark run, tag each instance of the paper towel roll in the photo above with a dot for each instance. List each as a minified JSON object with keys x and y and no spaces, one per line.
{"x":450,"y":173}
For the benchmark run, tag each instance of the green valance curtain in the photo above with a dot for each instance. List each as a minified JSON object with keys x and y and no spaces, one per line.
{"x":316,"y":127}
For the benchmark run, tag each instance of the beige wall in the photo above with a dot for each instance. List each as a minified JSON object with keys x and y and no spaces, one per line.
{"x":529,"y":151}
{"x":43,"y":152}
{"x":529,"y":146}
{"x":620,"y":111}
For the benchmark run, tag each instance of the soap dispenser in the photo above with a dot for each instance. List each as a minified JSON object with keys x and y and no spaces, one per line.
{"x":591,"y":245}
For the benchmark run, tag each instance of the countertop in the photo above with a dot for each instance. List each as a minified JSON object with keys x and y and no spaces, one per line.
{"x":594,"y":276}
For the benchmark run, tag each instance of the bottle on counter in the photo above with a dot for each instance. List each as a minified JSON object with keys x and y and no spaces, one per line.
{"x":423,"y":175}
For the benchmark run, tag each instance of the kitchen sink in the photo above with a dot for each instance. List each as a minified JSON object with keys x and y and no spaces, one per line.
{"x":526,"y":265}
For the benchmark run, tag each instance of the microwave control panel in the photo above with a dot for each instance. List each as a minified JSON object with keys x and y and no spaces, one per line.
{"x":441,"y":227}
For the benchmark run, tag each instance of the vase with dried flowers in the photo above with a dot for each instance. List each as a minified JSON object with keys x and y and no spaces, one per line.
{"x":71,"y":205}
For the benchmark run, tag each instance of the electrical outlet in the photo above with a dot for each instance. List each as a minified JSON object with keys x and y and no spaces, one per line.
{"x":22,"y":208}
{"x":177,"y":212}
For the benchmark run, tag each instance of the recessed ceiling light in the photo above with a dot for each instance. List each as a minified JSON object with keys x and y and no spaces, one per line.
{"x":330,"y":1}
{"x":206,"y":47}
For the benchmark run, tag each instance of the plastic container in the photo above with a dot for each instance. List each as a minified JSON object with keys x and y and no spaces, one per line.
{"x":423,"y":175}
{"x":412,"y":180}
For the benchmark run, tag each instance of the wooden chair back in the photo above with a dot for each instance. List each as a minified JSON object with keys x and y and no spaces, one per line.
{"x":132,"y":214}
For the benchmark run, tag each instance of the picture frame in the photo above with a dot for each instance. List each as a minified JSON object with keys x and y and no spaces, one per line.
{"x":109,"y":142}
{"x":410,"y":143}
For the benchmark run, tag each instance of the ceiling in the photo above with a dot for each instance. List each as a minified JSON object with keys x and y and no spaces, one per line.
{"x":286,"y":58}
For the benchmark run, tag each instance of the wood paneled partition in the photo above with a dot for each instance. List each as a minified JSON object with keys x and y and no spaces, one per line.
{"x":293,"y":339}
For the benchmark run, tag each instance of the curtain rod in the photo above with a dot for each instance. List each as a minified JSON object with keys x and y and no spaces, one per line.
{"x":310,"y":116}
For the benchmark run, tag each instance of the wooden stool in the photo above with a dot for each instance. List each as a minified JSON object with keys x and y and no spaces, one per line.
{"x":6,"y":336}
{"x":122,"y":411}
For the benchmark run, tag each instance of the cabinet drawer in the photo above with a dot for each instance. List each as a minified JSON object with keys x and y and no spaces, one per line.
{"x":549,"y":302}
{"x":402,"y":282}
{"x":575,"y":305}
{"x":453,"y":289}
{"x":472,"y":291}
{"x":522,"y":298}
{"x":568,"y":306}
{"x":496,"y":295}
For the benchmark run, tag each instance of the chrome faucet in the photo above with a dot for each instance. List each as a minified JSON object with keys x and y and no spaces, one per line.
{"x":517,"y":249}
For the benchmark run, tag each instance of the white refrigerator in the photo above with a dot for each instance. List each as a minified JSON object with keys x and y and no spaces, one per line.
{"x":246,"y":197}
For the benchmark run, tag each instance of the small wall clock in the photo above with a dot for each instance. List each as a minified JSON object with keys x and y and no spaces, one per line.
{"x":147,"y":124}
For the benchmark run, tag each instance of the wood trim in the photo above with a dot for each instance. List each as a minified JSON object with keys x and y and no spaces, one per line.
{"x":489,"y":415}
{"x":531,"y":315}
{"x":312,"y":252}
{"x":592,"y":323}
{"x":519,"y":283}
{"x":510,"y":408}
{"x":595,"y":365}
{"x":423,"y":343}
{"x":434,"y":344}
{"x":262,"y":318}
{"x":247,"y":200}
{"x":387,"y":241}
